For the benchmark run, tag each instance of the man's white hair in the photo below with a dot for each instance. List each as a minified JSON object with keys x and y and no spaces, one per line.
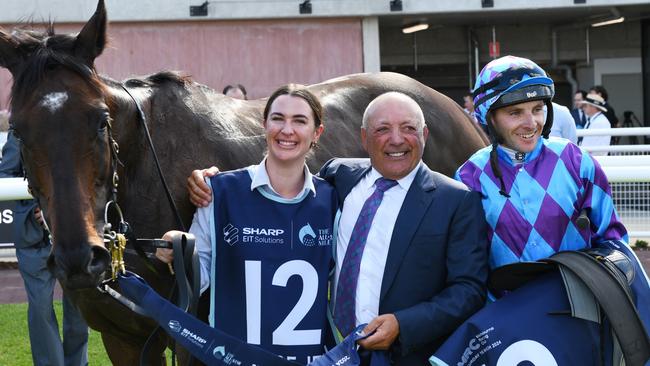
{"x":370,"y":109}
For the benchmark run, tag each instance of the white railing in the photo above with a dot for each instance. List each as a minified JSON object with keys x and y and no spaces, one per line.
{"x":12,"y":189}
{"x":628,"y":171}
{"x":632,"y":131}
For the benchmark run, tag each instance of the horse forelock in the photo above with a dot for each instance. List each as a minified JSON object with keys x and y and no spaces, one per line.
{"x":43,"y":52}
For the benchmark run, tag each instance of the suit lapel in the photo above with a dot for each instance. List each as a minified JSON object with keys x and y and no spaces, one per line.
{"x":418,"y":198}
{"x":348,"y":181}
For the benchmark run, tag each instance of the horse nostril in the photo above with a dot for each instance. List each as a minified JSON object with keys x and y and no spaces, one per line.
{"x":99,"y":260}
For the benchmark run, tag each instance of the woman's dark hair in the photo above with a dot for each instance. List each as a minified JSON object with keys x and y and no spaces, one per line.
{"x":300,"y":91}
{"x":238,"y":86}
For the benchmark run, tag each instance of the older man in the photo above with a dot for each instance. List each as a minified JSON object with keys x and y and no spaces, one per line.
{"x":411,"y":246}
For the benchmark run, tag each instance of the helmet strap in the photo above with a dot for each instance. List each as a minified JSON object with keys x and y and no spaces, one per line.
{"x":494,"y":158}
{"x":548,"y":124}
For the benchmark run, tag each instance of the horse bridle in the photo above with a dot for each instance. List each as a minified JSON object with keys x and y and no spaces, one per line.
{"x":183,"y":246}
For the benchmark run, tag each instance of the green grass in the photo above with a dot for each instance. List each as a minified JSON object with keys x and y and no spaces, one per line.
{"x":14,"y":338}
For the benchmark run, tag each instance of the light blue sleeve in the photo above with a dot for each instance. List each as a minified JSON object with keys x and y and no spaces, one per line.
{"x":202,"y":228}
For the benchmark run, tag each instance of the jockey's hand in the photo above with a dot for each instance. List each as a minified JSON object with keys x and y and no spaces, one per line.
{"x":386,"y":328}
{"x":200,"y":192}
{"x":38,"y":215}
{"x":163,"y":254}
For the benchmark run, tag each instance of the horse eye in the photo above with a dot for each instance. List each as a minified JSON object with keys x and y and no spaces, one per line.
{"x":104,"y":122}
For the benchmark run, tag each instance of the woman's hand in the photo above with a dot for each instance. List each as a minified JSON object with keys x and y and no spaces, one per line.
{"x":167,"y":255}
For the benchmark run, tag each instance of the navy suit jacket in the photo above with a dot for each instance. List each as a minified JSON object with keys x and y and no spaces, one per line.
{"x":437,"y":265}
{"x":576,"y":117}
{"x":27,"y":231}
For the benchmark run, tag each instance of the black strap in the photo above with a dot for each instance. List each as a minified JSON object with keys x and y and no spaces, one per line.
{"x":188,"y":281}
{"x":170,"y":199}
{"x":614,"y":297}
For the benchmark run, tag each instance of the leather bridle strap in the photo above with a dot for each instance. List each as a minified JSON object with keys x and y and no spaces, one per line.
{"x":170,"y":199}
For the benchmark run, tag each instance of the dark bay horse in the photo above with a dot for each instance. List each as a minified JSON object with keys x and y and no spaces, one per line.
{"x":65,"y":116}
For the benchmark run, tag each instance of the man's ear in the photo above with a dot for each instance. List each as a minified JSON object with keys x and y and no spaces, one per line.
{"x":364,"y":139}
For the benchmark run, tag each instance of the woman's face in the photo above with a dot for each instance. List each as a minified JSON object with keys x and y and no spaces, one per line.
{"x":290,"y":129}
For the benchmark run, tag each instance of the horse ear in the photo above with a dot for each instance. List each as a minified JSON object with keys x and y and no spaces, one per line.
{"x":9,"y":54}
{"x":91,"y":40}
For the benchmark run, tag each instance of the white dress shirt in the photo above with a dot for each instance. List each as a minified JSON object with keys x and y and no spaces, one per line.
{"x":597,"y":121}
{"x":373,"y":261}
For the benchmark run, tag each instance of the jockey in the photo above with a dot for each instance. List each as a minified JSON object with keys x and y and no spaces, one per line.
{"x":534,"y":192}
{"x":534,"y":188}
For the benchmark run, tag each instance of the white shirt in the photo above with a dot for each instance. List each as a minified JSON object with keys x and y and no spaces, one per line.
{"x":597,"y":121}
{"x":203,"y":222}
{"x":373,"y":261}
{"x":563,"y":123}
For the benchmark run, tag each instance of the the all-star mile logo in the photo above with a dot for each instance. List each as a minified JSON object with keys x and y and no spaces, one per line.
{"x":227,"y":358}
{"x":307,"y":236}
{"x":310,"y":237}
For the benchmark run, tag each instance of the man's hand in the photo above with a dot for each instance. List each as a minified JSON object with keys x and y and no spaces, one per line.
{"x":200,"y":192}
{"x":386,"y":328}
{"x":38,"y":215}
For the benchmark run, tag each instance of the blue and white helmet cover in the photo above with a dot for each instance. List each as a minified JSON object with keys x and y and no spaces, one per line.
{"x":502,"y":76}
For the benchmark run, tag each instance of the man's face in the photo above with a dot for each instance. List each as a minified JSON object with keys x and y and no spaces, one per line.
{"x":520,"y":125}
{"x":577,"y":98}
{"x":235,"y":93}
{"x":394,"y":137}
{"x":589,"y":109}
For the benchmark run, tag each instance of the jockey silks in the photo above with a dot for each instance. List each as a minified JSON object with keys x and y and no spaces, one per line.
{"x":270,"y":266}
{"x":548,"y":191}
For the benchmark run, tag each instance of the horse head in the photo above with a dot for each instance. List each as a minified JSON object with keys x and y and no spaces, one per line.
{"x":61,"y":116}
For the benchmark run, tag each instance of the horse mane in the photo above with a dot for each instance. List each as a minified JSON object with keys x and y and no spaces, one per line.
{"x":45,"y":51}
{"x":159,"y":78}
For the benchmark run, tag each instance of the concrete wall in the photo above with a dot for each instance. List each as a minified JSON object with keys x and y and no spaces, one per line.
{"x":260,"y":54}
{"x":156,"y":10}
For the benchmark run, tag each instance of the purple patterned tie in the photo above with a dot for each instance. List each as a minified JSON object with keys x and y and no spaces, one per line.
{"x":344,"y":310}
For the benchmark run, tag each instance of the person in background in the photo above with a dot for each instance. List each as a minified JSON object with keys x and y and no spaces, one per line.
{"x":594,"y":107}
{"x":563,"y":123}
{"x":237,"y":91}
{"x":468,"y":105}
{"x":32,"y":251}
{"x":609,"y":112}
{"x":577,"y":113}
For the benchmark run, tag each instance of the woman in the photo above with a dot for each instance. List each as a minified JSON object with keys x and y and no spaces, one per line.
{"x":265,"y":240}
